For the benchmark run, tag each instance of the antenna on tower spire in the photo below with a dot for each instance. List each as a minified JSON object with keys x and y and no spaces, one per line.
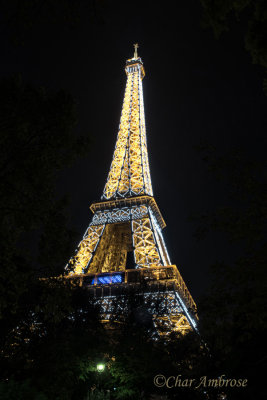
{"x":135,"y":50}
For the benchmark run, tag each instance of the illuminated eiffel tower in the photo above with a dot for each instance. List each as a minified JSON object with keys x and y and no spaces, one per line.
{"x":123,"y":249}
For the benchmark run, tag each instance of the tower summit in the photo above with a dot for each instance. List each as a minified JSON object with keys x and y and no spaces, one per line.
{"x":123,"y":247}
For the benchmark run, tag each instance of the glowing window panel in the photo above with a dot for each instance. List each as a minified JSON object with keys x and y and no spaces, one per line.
{"x":103,"y":280}
{"x":107,"y":279}
{"x":116,"y":278}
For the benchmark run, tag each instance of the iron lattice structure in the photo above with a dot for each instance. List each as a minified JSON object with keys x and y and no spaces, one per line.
{"x":127,"y":222}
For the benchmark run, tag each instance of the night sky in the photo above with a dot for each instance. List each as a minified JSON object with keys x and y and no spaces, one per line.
{"x":196,"y":89}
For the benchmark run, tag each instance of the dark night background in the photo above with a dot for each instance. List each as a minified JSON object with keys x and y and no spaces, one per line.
{"x":62,"y":83}
{"x":197,"y":89}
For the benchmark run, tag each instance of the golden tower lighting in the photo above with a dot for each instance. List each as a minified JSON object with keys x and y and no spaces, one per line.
{"x":127,"y":222}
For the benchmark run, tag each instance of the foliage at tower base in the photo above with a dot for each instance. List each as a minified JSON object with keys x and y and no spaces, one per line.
{"x":50,"y":349}
{"x":56,"y":346}
{"x":61,"y":363}
{"x":54,"y":351}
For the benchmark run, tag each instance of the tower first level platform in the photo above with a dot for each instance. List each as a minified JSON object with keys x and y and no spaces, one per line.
{"x":162,"y":291}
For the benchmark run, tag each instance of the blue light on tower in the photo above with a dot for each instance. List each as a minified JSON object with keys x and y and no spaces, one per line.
{"x":107,"y":279}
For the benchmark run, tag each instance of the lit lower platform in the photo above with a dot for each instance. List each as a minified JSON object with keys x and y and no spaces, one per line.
{"x":154,"y":283}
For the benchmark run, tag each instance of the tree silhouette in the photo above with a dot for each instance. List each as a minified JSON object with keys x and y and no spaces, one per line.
{"x":233,"y":317}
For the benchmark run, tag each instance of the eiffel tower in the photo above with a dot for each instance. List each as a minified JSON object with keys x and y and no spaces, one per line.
{"x":123,"y":249}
